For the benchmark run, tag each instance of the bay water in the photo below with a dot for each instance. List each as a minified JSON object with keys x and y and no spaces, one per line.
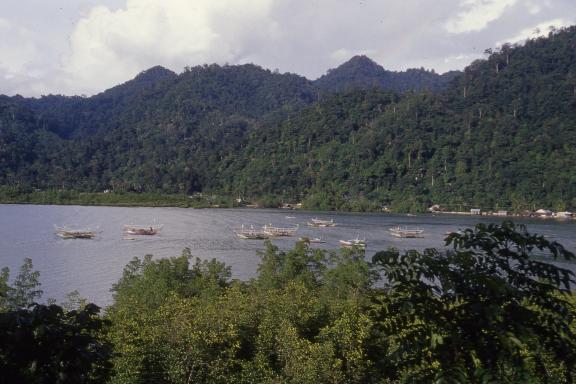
{"x":92,"y":266}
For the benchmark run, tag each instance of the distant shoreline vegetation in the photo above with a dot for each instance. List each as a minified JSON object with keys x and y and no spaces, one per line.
{"x":129,"y":199}
{"x":313,"y":202}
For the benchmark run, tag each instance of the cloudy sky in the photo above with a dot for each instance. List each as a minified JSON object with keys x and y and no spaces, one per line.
{"x":86,"y":46}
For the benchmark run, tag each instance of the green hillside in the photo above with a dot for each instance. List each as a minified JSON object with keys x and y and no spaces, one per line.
{"x":361,"y":72}
{"x":501,"y":135}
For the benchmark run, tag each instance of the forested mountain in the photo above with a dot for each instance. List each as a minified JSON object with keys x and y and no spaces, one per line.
{"x":500,"y":135}
{"x":360,"y":72}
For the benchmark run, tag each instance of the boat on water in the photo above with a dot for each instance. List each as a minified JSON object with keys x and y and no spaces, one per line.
{"x":404,"y":232}
{"x":312,"y":240}
{"x":354,"y":243}
{"x":251,"y":233}
{"x":144,"y":230}
{"x":68,"y":233}
{"x":279,"y":231}
{"x":316,"y":222}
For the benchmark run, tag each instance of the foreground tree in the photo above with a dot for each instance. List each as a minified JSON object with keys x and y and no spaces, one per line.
{"x":491,"y":309}
{"x":25,"y":290}
{"x":45,"y":344}
{"x":301,"y":320}
{"x":48,"y":343}
{"x":140,"y":315}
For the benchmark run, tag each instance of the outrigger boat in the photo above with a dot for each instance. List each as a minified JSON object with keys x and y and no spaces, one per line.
{"x":406,"y":233}
{"x":146,"y":230}
{"x":357,"y":242}
{"x":316,"y":222}
{"x":251,"y":233}
{"x":66,"y":233}
{"x":312,"y":240}
{"x":278,"y":231}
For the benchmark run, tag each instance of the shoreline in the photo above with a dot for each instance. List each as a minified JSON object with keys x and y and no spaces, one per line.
{"x":205,"y":200}
{"x":174,"y":202}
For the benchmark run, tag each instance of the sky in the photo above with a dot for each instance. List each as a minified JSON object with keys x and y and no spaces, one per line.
{"x":83,"y":47}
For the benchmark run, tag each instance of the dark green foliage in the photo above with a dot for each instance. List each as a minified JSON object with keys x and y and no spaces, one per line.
{"x":4,"y":287}
{"x":362,"y":73}
{"x":140,"y":333}
{"x":25,"y":290}
{"x":48,"y":343}
{"x":349,"y":275}
{"x":296,"y":322}
{"x":500,"y":136}
{"x":153,"y":280}
{"x":485,"y":311}
{"x":45,"y":344}
{"x":301,"y":264}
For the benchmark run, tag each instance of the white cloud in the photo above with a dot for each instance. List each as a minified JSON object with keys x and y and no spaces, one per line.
{"x":540,"y":29}
{"x":18,"y":51}
{"x":4,"y":24}
{"x":87,"y":46}
{"x":477,"y":15}
{"x":117,"y":45}
{"x":460,"y":59}
{"x":342,"y":54}
{"x":21,"y":66}
{"x":533,"y":8}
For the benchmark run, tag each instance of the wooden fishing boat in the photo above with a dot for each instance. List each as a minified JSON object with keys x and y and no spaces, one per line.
{"x":251,"y":233}
{"x":144,"y":230}
{"x":354,"y":243}
{"x":316,"y":222}
{"x":279,"y":231}
{"x":67,"y":233}
{"x":312,"y":240}
{"x":406,"y":232}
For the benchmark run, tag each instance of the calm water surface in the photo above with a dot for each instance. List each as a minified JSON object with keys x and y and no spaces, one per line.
{"x":92,"y":266}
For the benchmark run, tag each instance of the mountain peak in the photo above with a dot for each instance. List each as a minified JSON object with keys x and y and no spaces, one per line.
{"x":146,"y":79}
{"x":360,"y":64}
{"x":362,"y":72}
{"x":155,"y":73}
{"x":362,"y":60}
{"x":358,"y":72}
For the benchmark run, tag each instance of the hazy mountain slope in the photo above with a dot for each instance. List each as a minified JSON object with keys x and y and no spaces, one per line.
{"x":360,"y":72}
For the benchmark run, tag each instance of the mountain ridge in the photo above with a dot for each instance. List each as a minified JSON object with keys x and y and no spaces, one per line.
{"x":362,"y":72}
{"x":499,"y":136}
{"x":159,"y":73}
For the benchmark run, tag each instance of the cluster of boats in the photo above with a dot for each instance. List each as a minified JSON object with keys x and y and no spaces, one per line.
{"x":128,"y":229}
{"x":396,"y":232}
{"x":268,"y":231}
